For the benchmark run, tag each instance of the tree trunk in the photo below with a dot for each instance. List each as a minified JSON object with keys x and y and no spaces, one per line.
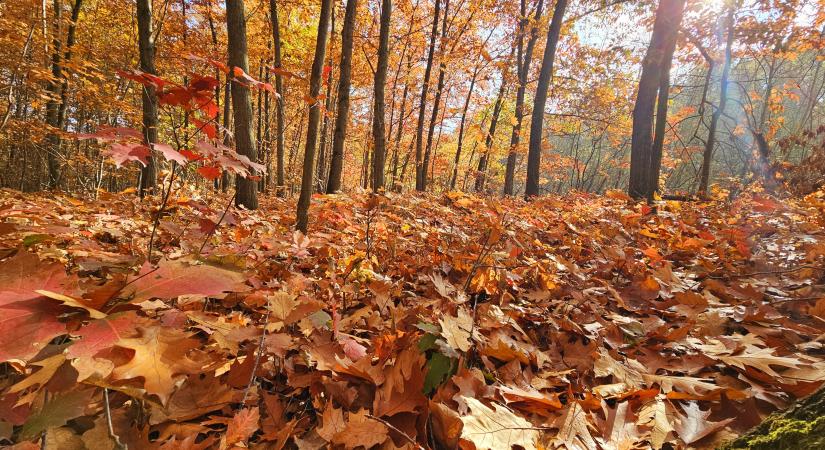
{"x":523,"y":68}
{"x":321,"y":166}
{"x":279,"y":100}
{"x":481,"y":178}
{"x":461,"y":129}
{"x":53,"y":105}
{"x":378,"y":129}
{"x":302,"y":219}
{"x":336,"y":163}
{"x":707,"y":155}
{"x":442,"y":69}
{"x":540,"y":100}
{"x":247,"y":194}
{"x":661,"y":109}
{"x":146,"y":45}
{"x":420,"y":168}
{"x":654,"y":80}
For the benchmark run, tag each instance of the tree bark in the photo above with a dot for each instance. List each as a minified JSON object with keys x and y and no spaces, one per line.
{"x":661,"y":110}
{"x":523,"y":68}
{"x":279,"y":100}
{"x":336,"y":163}
{"x":246,"y":189}
{"x":442,"y":69}
{"x":461,"y":128}
{"x":53,"y":105}
{"x":537,"y":120}
{"x":321,"y":165}
{"x":420,"y":168}
{"x":481,"y":178}
{"x":307,"y":180}
{"x":378,"y":128}
{"x":654,"y":81}
{"x":707,"y":155}
{"x":146,"y":45}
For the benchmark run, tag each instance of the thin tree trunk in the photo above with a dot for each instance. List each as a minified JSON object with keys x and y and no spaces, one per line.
{"x":442,"y":69}
{"x":302,"y":219}
{"x":378,"y":128}
{"x":662,"y":103}
{"x":483,"y":160}
{"x":321,"y":167}
{"x":336,"y":164}
{"x":279,"y":101}
{"x":461,"y":128}
{"x":64,"y":86}
{"x":53,"y":105}
{"x":523,"y":68}
{"x":420,"y":168}
{"x":396,"y":157}
{"x":246,"y":192}
{"x":537,"y":120}
{"x":146,"y":44}
{"x":655,"y":69}
{"x":707,"y":155}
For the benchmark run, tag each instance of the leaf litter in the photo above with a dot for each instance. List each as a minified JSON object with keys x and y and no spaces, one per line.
{"x":577,"y":322}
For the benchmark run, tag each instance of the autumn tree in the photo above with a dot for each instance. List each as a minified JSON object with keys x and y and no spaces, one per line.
{"x":279,"y":98}
{"x":307,"y":179}
{"x":654,"y":82}
{"x":420,"y":168}
{"x":336,"y":163}
{"x":524,"y":57}
{"x":149,"y":100}
{"x":378,"y":130}
{"x":540,"y":100}
{"x":707,"y":155}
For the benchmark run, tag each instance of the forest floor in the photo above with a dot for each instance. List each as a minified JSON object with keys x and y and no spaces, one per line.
{"x":406,"y":321}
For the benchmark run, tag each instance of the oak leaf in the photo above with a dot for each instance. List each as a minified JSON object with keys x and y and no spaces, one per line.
{"x":496,"y":428}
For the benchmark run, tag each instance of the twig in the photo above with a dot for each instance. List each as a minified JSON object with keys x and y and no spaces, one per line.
{"x":393,"y":428}
{"x":776,"y":299}
{"x":257,"y":359}
{"x":156,"y":222}
{"x":112,"y":434}
{"x":215,"y":228}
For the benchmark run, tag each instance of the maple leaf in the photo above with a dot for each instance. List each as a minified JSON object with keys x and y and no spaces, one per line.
{"x":102,"y":334}
{"x":496,"y":428}
{"x":694,"y":425}
{"x":170,"y":154}
{"x":160,"y":357}
{"x":174,"y":278}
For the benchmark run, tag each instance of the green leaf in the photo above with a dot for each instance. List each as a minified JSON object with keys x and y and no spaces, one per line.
{"x":439,"y":367}
{"x":55,"y":413}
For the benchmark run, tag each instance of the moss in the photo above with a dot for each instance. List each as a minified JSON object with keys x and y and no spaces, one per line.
{"x":801,"y":427}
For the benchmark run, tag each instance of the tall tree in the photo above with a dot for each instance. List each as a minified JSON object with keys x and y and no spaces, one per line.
{"x":655,"y":72}
{"x":707,"y":155}
{"x":146,"y":46}
{"x":279,"y":99}
{"x":481,"y":178}
{"x":308,"y":173}
{"x":53,"y":105}
{"x":336,"y":163}
{"x":540,"y":100}
{"x":420,"y":168}
{"x":378,"y":129}
{"x":442,"y":70}
{"x":246,"y":189}
{"x":321,"y":163}
{"x":523,"y":60}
